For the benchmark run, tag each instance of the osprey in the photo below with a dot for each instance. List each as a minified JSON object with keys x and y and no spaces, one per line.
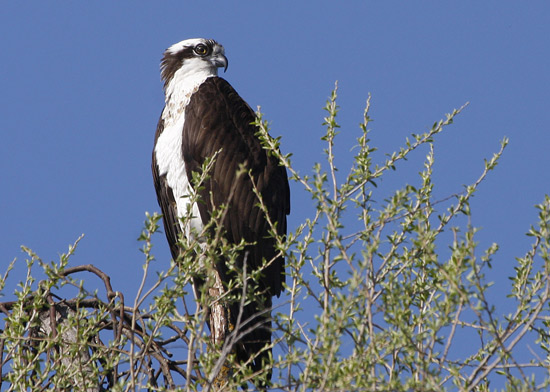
{"x":204,"y":118}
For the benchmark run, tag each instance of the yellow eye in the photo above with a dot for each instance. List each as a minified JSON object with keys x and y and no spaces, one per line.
{"x":201,"y":49}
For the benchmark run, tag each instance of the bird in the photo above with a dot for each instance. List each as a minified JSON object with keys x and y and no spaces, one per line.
{"x":204,"y":118}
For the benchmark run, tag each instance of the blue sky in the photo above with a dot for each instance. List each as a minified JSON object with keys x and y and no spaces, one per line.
{"x":81,"y":95}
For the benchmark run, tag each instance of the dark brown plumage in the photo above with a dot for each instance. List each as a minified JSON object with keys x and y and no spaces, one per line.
{"x":217,"y":119}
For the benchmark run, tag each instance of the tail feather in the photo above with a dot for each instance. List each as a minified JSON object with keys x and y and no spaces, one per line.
{"x":253,"y":333}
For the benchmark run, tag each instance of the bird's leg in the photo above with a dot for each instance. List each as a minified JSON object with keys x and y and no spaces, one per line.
{"x":219,"y":317}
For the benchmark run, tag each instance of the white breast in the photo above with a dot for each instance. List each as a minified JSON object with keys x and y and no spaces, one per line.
{"x":168,"y":151}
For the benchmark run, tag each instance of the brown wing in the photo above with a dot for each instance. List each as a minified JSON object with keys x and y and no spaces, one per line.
{"x":218,"y":119}
{"x":166,"y":200}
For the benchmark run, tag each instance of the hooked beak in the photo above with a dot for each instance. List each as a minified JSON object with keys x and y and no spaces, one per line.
{"x":220,"y":61}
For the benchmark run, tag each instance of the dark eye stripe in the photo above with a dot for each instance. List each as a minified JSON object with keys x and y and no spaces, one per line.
{"x":171,"y":62}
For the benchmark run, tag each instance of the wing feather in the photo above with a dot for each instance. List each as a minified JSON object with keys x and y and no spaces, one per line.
{"x":218,"y":119}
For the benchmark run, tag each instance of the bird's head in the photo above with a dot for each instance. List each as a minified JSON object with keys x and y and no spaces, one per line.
{"x":192,"y":56}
